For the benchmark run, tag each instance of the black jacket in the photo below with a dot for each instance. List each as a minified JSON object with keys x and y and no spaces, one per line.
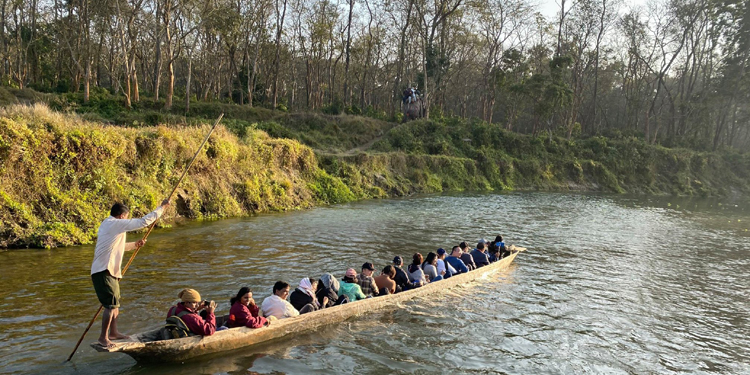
{"x":469,"y":261}
{"x":401,"y":279}
{"x":299,"y":299}
{"x":322,"y":291}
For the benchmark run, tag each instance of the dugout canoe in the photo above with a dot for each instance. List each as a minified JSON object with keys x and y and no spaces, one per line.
{"x":145,"y":348}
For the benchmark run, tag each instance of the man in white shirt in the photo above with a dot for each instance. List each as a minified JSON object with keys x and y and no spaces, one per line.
{"x":106,"y":267}
{"x":446,"y":270}
{"x":277,"y":305}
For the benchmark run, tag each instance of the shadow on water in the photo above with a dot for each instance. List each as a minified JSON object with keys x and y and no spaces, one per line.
{"x":611,"y":284}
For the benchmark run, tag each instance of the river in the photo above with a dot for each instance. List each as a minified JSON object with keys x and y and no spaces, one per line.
{"x":610,"y":284}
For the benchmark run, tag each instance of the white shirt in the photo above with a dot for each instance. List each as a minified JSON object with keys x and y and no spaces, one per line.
{"x":441,"y":267}
{"x":110,"y":241}
{"x":280,"y":308}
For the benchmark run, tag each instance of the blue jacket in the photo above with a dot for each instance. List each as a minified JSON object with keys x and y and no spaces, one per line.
{"x":457,"y":263}
{"x":480,"y":258}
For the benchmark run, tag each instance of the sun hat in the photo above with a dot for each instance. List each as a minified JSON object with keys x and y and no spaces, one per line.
{"x":189,"y":295}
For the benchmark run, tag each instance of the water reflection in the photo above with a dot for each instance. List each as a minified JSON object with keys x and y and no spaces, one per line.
{"x":612,"y":284}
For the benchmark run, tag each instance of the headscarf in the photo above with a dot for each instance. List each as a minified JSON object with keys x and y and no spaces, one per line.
{"x":306,"y":287}
{"x":330,"y":282}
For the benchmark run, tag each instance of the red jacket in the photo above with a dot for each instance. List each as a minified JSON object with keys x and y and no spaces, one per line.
{"x":241,"y":315}
{"x":195,"y":322}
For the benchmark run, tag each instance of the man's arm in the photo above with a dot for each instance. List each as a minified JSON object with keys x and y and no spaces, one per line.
{"x":462,"y":267}
{"x":133,"y":245}
{"x":128,"y":225}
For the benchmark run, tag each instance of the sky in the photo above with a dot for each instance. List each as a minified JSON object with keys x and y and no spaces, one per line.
{"x":549,"y":8}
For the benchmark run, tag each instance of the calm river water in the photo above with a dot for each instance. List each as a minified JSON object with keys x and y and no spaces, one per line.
{"x":610,"y":284}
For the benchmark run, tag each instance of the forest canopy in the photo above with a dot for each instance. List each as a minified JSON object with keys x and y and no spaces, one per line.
{"x":672,"y":72}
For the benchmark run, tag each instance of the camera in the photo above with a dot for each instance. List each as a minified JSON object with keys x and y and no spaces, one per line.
{"x":206,"y":303}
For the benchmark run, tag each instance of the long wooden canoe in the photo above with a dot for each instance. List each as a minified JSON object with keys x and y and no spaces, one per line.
{"x":145,"y":347}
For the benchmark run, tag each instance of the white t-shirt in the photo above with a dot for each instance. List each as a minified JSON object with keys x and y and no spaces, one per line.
{"x":280,"y":308}
{"x":110,"y":241}
{"x":441,"y":267}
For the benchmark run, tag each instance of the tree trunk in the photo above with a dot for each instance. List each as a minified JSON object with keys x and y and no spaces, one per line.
{"x":136,"y":94}
{"x":157,"y":53}
{"x":87,"y":81}
{"x":400,"y":61}
{"x":170,"y":64}
{"x":426,"y":95}
{"x":367,"y":59}
{"x":347,"y":95}
{"x":560,"y":27}
{"x":254,"y":74}
{"x":187,"y":85}
{"x":3,"y":43}
{"x":87,"y":41}
{"x":276,"y":61}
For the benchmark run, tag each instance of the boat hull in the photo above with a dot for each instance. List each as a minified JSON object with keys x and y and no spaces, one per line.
{"x":177,"y":350}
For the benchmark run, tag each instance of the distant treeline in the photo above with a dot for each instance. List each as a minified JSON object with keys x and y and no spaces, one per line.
{"x":673,"y":72}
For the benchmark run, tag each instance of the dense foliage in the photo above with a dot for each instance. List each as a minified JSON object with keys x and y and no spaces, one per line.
{"x":59,"y":172}
{"x":669,"y":72}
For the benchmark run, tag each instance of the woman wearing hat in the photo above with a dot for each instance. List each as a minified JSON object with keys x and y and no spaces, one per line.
{"x":350,"y":288}
{"x":188,"y":310}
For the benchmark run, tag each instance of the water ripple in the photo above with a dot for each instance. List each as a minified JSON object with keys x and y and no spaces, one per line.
{"x":611,"y":284}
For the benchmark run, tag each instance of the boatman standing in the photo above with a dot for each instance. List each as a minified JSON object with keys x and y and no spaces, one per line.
{"x":106,"y":268}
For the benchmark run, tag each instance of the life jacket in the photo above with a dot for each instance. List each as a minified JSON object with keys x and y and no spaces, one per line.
{"x":175,"y":327}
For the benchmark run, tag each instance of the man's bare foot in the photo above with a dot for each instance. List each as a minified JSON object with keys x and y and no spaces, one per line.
{"x":118,"y":336}
{"x":106,"y":344}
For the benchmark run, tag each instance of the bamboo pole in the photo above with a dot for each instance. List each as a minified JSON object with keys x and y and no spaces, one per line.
{"x":150,"y":228}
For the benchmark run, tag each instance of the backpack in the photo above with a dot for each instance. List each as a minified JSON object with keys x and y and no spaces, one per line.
{"x":175,"y":327}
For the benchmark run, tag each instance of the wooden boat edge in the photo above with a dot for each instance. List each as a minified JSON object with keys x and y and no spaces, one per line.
{"x":189,"y":347}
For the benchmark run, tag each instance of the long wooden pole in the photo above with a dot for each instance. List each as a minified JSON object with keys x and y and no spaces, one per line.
{"x":150,"y":228}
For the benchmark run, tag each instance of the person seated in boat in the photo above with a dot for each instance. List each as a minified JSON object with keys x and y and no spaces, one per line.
{"x":429,"y":267}
{"x":276,"y":304}
{"x":502,"y":251}
{"x":493,"y":254}
{"x":198,"y":315}
{"x":466,"y":256}
{"x":455,"y":261}
{"x":366,"y":282}
{"x":442,"y":268}
{"x":416,"y":275}
{"x":401,"y":278}
{"x":350,"y":288}
{"x":479,"y":254}
{"x":384,"y":282}
{"x":304,"y":299}
{"x":244,"y":312}
{"x":328,"y":290}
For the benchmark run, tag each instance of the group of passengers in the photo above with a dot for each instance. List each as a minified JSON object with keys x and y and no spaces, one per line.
{"x":197,"y":316}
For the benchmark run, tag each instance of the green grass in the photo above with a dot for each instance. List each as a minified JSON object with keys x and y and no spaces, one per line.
{"x":62,"y":163}
{"x":60,"y":174}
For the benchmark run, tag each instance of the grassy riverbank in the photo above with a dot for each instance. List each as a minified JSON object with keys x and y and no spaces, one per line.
{"x":61,"y":170}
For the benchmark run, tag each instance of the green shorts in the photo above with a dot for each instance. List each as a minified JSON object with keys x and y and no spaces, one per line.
{"x":107,"y":289}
